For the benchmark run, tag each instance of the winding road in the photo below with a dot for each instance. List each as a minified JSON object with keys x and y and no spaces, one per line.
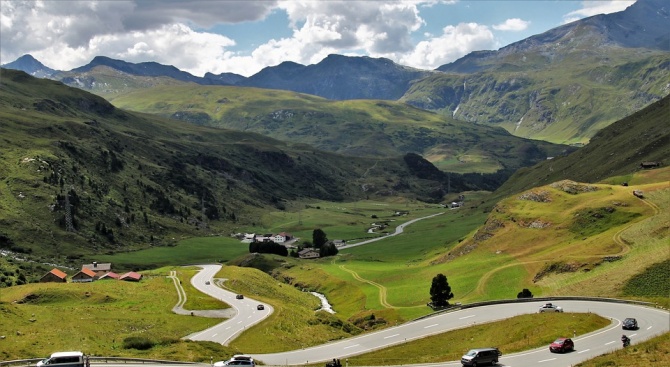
{"x":652,"y":322}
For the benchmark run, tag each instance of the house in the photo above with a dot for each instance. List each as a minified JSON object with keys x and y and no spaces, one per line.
{"x":308,"y":253}
{"x":131,"y":276}
{"x":99,"y":269}
{"x":54,"y":276}
{"x":282,"y":237}
{"x":110,"y":275}
{"x":647,"y":165}
{"x":84,"y":275}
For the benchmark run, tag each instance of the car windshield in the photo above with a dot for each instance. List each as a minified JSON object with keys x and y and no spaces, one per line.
{"x":472,"y":353}
{"x":559,"y":341}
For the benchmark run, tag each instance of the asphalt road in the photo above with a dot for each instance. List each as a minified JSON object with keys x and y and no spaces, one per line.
{"x":651,"y":322}
{"x":245,"y":316}
{"x":398,"y":230}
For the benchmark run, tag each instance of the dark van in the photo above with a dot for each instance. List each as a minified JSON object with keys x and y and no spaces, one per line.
{"x":481,"y":357}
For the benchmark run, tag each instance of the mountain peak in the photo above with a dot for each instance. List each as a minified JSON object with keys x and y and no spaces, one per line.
{"x":30,"y":65}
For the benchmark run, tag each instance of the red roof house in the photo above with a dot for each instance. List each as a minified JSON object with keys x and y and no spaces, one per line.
{"x":131,"y":276}
{"x":110,"y":275}
{"x":54,"y":275}
{"x":84,"y":275}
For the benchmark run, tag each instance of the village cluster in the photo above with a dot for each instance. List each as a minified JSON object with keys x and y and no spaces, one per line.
{"x":89,"y":273}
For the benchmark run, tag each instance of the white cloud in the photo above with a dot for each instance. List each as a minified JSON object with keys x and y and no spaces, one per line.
{"x":590,"y":8}
{"x":350,"y":24}
{"x":512,"y":24}
{"x":66,"y":34}
{"x":455,"y":42}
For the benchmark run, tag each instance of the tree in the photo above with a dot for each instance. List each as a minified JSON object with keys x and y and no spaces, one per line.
{"x":328,"y":249}
{"x":319,"y":238}
{"x":525,"y":293}
{"x":440,"y":291}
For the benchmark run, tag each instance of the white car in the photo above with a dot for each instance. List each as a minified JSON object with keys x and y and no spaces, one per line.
{"x":237,"y":360}
{"x":549,"y":307}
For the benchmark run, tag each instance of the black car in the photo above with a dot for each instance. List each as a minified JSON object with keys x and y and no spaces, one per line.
{"x":239,"y":296}
{"x":629,"y":324}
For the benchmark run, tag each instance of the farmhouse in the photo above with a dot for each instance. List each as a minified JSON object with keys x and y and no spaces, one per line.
{"x":308,"y":253}
{"x":131,"y":276}
{"x":110,"y":275}
{"x":647,"y":165}
{"x":282,"y":237}
{"x":54,"y":276}
{"x":85,"y":275}
{"x":99,"y":269}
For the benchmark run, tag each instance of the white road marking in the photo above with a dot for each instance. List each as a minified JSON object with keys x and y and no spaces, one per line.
{"x":649,"y":328}
{"x":546,"y":360}
{"x":215,"y":335}
{"x":582,"y":351}
{"x":466,"y":317}
{"x":426,"y":327}
{"x":351,"y":346}
{"x":609,"y":343}
{"x":633,"y":334}
{"x":391,"y":336}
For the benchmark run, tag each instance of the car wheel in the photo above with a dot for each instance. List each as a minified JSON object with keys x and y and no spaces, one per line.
{"x":474,"y":364}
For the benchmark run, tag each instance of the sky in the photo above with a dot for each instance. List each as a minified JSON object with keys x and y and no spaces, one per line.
{"x":244,"y":36}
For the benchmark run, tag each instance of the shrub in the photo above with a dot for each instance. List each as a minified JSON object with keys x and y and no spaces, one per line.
{"x":137,"y":342}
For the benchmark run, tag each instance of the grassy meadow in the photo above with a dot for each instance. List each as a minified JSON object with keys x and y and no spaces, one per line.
{"x":543,"y":244}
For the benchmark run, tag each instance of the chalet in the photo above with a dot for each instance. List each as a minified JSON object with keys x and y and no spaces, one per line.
{"x":110,"y":275}
{"x":99,"y":269}
{"x":647,"y":165}
{"x":131,"y":276}
{"x":282,"y":237}
{"x":84,"y":275}
{"x":339,"y":243}
{"x":54,"y":276}
{"x":308,"y":253}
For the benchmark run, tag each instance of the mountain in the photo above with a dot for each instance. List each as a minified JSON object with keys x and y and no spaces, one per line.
{"x":81,"y":176}
{"x":642,"y":25}
{"x":616,"y":151}
{"x":562,"y":85}
{"x":362,"y":128}
{"x":154,"y":69}
{"x":31,"y":66}
{"x":340,"y":77}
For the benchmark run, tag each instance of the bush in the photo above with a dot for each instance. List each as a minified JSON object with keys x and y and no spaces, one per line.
{"x":137,"y":342}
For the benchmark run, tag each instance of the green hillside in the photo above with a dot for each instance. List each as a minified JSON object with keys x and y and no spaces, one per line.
{"x":81,"y":177}
{"x":614,"y":153}
{"x":565,"y":100}
{"x":369,"y":128}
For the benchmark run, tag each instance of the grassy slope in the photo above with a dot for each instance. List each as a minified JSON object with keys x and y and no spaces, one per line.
{"x":136,"y":181}
{"x":296,"y":325}
{"x":355,"y":127}
{"x":568,"y":256}
{"x":614,"y":153}
{"x":97,"y":317}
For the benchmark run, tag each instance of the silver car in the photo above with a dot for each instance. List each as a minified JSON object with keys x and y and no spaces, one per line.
{"x":550,"y":307}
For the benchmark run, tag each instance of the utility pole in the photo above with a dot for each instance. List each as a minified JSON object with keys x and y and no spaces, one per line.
{"x":69,"y":227}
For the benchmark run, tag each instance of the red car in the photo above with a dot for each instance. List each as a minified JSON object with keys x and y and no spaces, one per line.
{"x":562,"y":345}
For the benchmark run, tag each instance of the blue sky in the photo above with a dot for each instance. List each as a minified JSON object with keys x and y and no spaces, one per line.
{"x":244,"y":36}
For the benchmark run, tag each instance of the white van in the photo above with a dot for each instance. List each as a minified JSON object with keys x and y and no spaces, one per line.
{"x":63,"y":359}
